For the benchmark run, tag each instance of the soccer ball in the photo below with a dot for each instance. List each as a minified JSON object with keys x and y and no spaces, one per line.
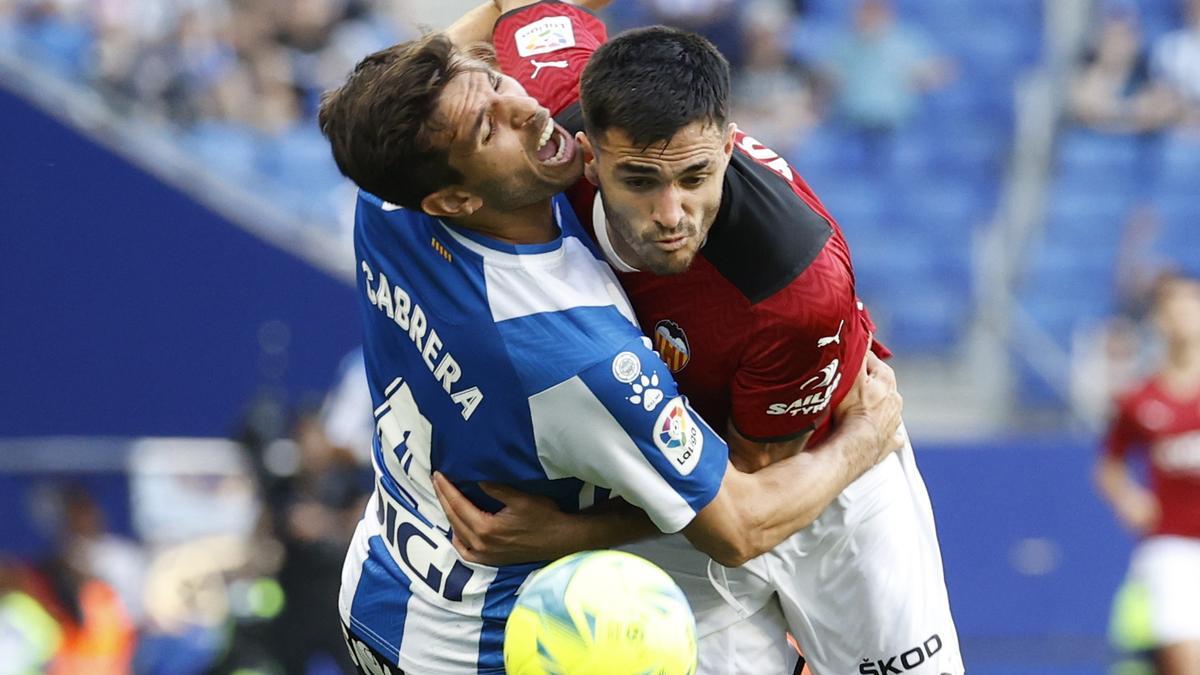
{"x":600,"y":613}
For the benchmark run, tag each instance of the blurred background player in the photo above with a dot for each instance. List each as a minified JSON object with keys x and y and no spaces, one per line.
{"x":1160,"y":419}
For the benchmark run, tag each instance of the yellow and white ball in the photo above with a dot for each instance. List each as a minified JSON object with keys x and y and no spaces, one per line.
{"x":600,"y":613}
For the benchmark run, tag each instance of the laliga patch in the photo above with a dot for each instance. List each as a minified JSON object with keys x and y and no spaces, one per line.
{"x":678,"y":437}
{"x":545,"y":35}
{"x":671,"y":343}
{"x":626,"y":367}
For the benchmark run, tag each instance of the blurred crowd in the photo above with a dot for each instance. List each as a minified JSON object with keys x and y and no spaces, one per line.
{"x":230,"y":564}
{"x":1133,"y":146}
{"x":1126,"y":84}
{"x":238,"y":81}
{"x":261,"y":63}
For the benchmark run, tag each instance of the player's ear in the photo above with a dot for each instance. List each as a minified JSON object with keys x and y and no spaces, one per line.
{"x":589,"y":158}
{"x":730,"y":130}
{"x":451,"y":202}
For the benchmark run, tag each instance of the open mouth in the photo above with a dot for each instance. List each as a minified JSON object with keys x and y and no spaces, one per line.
{"x":555,"y":146}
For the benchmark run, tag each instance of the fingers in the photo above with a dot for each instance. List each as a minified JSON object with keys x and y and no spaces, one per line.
{"x":502,"y":493}
{"x":879,"y":370}
{"x":464,"y":517}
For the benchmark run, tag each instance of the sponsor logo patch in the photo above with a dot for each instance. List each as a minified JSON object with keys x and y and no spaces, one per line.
{"x":816,"y":393}
{"x":545,"y":35}
{"x":678,"y":437}
{"x":671,"y":343}
{"x":904,"y":661}
{"x":626,"y":367}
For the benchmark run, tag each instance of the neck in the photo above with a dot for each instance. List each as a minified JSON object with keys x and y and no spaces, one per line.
{"x":532,"y":224}
{"x":622,"y":249}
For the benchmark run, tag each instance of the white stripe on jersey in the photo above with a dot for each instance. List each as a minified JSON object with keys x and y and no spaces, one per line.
{"x":568,"y":417}
{"x":352,"y":567}
{"x":447,"y":640}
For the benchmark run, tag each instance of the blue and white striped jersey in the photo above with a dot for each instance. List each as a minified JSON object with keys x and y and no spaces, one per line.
{"x":514,"y":364}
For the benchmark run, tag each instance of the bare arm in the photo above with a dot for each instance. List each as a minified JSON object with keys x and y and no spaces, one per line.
{"x":753,"y":512}
{"x":750,"y":514}
{"x":531,"y":528}
{"x":1135,"y":506}
{"x":476,"y":25}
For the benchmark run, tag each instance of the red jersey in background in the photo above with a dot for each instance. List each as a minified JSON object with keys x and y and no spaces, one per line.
{"x":1166,"y":427}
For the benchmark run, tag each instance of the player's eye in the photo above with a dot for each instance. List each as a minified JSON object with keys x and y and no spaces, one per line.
{"x":638,"y":183}
{"x":693,"y":181}
{"x":491,"y":129}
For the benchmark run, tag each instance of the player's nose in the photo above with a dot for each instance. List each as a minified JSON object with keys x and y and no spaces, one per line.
{"x":668,"y":208}
{"x":521,"y":110}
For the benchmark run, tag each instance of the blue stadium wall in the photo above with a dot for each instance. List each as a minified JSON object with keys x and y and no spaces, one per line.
{"x":128,"y":309}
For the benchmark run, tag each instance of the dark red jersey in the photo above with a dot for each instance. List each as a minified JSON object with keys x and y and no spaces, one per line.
{"x":1152,"y":420}
{"x":765,"y":328}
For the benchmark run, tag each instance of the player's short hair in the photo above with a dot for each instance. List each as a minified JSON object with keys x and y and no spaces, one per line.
{"x":379,"y":122}
{"x":652,"y":82}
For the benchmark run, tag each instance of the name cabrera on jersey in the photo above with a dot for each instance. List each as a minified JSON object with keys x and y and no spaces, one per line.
{"x":514,"y":364}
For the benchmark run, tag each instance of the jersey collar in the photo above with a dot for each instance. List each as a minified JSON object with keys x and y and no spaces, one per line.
{"x":504,"y":253}
{"x":600,"y":226}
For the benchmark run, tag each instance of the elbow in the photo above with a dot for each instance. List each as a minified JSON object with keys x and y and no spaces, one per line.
{"x":733,"y":554}
{"x":745,"y":544}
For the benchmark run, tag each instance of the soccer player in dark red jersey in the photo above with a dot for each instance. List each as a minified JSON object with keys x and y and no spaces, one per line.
{"x":745,"y":282}
{"x":1161,"y":418}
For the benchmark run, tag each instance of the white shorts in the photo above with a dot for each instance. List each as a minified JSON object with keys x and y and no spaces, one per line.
{"x":1168,"y":568}
{"x":756,"y":645}
{"x":861,"y":588}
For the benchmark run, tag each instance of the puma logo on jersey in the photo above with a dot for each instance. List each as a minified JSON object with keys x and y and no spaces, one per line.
{"x":836,"y":338}
{"x":538,"y":65}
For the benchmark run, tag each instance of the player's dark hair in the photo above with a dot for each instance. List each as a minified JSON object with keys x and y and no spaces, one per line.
{"x":652,"y":82}
{"x":378,"y":122}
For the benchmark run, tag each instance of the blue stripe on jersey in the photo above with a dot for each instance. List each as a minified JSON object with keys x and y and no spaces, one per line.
{"x":497,"y":605}
{"x":543,"y":358}
{"x":381,"y":602}
{"x":652,"y":432}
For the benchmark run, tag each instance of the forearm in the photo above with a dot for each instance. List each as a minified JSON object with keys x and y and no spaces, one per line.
{"x":606,"y":527}
{"x":1115,"y":483}
{"x":787,"y":496}
{"x":474,"y":26}
{"x":506,"y":6}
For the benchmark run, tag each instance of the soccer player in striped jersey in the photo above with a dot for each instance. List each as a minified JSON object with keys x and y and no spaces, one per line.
{"x":499,"y":347}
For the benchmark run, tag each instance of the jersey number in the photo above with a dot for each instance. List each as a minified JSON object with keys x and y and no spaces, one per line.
{"x":405,"y":437}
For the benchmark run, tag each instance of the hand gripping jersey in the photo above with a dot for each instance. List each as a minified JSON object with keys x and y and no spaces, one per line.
{"x":765,"y":328}
{"x":514,"y":364}
{"x":1166,"y":427}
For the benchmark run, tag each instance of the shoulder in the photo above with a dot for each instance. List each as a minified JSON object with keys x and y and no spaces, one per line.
{"x":770,"y":228}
